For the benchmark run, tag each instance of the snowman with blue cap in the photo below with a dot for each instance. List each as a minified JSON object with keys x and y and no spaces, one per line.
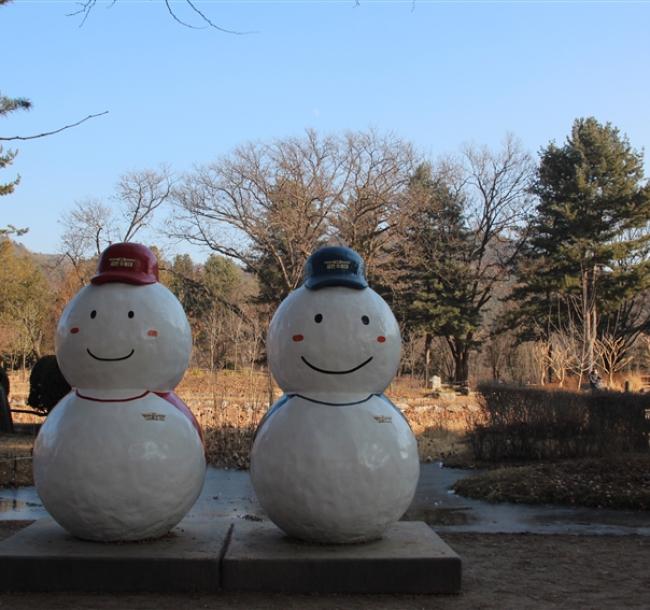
{"x":334,"y":461}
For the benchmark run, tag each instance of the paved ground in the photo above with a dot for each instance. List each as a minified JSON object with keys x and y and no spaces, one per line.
{"x":502,"y":571}
{"x":505,"y":570}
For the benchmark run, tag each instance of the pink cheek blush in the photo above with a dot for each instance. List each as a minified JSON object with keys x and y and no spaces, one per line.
{"x":74,"y":330}
{"x":152,"y":333}
{"x":297,"y":338}
{"x":381,"y":339}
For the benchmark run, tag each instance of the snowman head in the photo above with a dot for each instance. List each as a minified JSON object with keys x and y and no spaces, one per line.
{"x":334,"y":335}
{"x":125,"y":330}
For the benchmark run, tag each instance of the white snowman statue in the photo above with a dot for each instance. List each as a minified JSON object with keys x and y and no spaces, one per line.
{"x":121,"y":457}
{"x":334,"y":461}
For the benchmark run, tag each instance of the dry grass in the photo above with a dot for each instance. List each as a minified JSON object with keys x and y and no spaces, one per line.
{"x":637,"y":382}
{"x":230,"y":404}
{"x":621,"y":482}
{"x":16,"y":459}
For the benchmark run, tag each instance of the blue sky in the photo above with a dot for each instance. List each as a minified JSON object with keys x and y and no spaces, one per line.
{"x":439,"y":74}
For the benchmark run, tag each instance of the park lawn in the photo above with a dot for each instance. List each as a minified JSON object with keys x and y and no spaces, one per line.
{"x":621,"y":482}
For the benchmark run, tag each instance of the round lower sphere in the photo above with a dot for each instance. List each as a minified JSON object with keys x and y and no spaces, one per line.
{"x":120,"y":470}
{"x":333,"y":474}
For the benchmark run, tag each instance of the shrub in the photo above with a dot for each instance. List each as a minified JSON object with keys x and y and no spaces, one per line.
{"x":530,"y":423}
{"x":47,"y":385}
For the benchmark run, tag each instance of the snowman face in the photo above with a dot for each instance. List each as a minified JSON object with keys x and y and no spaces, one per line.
{"x":119,"y":336}
{"x":334,"y":340}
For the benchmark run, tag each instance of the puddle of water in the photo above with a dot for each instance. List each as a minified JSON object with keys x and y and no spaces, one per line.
{"x":448,"y":512}
{"x":11,"y":505}
{"x":20,"y":504}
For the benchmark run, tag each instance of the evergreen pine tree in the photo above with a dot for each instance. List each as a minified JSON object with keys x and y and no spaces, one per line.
{"x":586,"y":261}
{"x":436,"y":283}
{"x":8,"y":105}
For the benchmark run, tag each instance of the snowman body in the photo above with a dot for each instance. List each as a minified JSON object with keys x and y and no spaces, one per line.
{"x":334,"y":461}
{"x":339,"y":473}
{"x":121,"y":457}
{"x":118,"y":470}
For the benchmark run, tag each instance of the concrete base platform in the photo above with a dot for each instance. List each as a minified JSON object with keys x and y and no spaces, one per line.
{"x":44,"y":557}
{"x":217,"y":554}
{"x":410,"y":558}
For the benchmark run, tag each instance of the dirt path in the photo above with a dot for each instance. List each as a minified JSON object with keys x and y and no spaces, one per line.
{"x":500,"y":571}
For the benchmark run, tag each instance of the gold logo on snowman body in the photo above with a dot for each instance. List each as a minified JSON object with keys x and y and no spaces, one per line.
{"x":121,"y":261}
{"x":153,"y":416}
{"x":337,"y":265}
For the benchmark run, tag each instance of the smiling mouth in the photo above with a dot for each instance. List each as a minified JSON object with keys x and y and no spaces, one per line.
{"x":110,"y":359}
{"x":356,"y":368}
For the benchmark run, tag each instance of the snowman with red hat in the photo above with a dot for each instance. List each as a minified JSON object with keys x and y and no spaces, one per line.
{"x":334,"y":461}
{"x":121,"y":457}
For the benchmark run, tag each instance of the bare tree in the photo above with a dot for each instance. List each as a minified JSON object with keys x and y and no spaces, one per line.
{"x":88,"y":228}
{"x":379,"y":170}
{"x":496,"y":354}
{"x":270,"y":205}
{"x":563,"y":354}
{"x":92,"y":225}
{"x":496,"y":188}
{"x":266,"y":205}
{"x":614,"y":355}
{"x":462,"y":233}
{"x":139,"y":195}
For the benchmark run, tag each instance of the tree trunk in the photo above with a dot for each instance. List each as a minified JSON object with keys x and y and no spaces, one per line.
{"x":460,"y":350}
{"x":461,"y":374}
{"x":549,"y":360}
{"x":589,"y":320}
{"x":461,"y":366}
{"x":428,"y":339}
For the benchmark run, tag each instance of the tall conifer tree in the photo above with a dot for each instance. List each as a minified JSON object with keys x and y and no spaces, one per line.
{"x":8,"y":105}
{"x":586,"y":261}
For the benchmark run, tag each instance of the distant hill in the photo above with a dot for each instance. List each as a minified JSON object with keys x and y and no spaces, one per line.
{"x":53,"y":266}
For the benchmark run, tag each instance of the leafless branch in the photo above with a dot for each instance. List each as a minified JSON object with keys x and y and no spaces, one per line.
{"x":50,"y":133}
{"x":213,"y":25}
{"x":86,"y":7}
{"x":176,"y":18}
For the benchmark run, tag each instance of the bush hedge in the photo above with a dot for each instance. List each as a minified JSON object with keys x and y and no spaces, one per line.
{"x":518,"y":423}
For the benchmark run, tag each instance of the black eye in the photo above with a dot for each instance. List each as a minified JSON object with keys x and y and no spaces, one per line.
{"x":131,"y":314}
{"x":93,"y":314}
{"x":365,"y":320}
{"x":318,"y":318}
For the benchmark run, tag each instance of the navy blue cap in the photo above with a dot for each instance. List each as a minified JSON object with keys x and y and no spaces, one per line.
{"x":335,"y":266}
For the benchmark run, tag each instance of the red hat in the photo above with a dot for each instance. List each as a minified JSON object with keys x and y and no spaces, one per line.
{"x":127,"y":263}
